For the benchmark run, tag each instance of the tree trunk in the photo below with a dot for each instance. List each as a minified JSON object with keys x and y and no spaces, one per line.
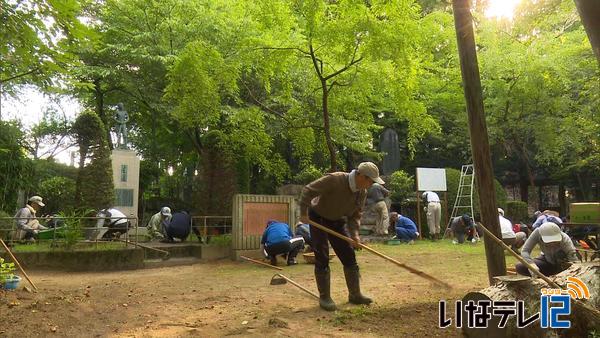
{"x":589,"y":12}
{"x":480,"y":148}
{"x":327,"y":128}
{"x":100,"y":111}
{"x":529,"y":290}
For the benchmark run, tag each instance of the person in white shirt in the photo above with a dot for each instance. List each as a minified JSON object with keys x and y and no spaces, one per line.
{"x":434,"y":213}
{"x":111,"y":223}
{"x":509,"y":237}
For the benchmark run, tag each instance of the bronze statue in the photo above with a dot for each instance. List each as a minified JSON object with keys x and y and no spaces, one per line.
{"x":122,"y":118}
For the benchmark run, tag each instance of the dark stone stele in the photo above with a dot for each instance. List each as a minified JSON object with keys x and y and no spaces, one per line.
{"x":388,"y":144}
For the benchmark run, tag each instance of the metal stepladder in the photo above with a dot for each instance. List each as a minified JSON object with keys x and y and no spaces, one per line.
{"x":464,"y":196}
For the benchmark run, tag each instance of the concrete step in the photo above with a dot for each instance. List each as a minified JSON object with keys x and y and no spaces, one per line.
{"x":177,"y":261}
{"x":175,"y":250}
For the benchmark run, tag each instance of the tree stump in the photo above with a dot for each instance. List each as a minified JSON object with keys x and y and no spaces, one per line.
{"x":529,"y":290}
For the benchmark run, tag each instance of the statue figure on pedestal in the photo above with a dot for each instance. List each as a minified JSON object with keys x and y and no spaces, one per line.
{"x":122,"y":118}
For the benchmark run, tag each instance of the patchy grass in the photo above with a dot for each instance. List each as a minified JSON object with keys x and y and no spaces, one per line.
{"x":44,"y":246}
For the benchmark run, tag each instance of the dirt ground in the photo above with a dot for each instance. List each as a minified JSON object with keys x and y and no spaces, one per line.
{"x":226,"y":298}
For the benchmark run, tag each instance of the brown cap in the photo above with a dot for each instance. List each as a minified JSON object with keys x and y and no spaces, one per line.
{"x":370,"y":170}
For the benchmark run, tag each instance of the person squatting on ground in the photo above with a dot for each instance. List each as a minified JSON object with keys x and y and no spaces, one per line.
{"x":334,"y":200}
{"x":27,"y":223}
{"x":376,"y":195}
{"x":178,"y":228}
{"x":277,"y":239}
{"x":434,"y":213}
{"x":557,"y":251}
{"x":158,"y":223}
{"x":514,"y":239}
{"x":110,"y":218}
{"x":406,"y":229}
{"x":303,"y":230}
{"x":463,"y":226}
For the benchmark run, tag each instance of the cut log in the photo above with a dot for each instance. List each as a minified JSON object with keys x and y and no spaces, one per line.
{"x":509,"y":288}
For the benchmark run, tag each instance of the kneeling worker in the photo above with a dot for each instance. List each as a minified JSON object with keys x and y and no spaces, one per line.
{"x":557,"y":249}
{"x":406,"y":229}
{"x":277,"y":239}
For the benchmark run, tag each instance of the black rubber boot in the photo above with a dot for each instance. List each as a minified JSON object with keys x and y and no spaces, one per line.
{"x":353,"y":283}
{"x":324,"y":286}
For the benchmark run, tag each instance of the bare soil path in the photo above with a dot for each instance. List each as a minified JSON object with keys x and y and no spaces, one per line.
{"x":226,"y":298}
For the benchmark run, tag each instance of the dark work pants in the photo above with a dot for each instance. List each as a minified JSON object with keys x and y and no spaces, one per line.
{"x":290,"y":248}
{"x":321,"y":241}
{"x":546,"y":268}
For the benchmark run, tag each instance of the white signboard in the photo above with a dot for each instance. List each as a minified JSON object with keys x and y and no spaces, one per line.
{"x":433,"y":179}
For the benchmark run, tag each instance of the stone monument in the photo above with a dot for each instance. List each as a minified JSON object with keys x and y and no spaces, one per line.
{"x":126,"y":168}
{"x":388,"y":143}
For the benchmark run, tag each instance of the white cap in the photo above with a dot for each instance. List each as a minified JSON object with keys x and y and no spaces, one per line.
{"x":165,"y":211}
{"x":370,"y":170}
{"x":500,"y":211}
{"x":37,"y":200}
{"x":550,"y":232}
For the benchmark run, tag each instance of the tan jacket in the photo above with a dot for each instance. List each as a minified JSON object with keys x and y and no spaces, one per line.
{"x":331,"y":197}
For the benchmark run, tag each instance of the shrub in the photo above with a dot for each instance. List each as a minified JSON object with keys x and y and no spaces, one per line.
{"x":58,"y":193}
{"x":307,"y":175}
{"x":6,"y":225}
{"x":516,"y":211}
{"x":402,"y":186}
{"x":6,"y":270}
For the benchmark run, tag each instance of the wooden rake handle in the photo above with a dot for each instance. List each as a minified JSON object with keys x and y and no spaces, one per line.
{"x":261,"y":263}
{"x":298,"y":285}
{"x":386,"y":257}
{"x":595,"y":313}
{"x":18,"y":264}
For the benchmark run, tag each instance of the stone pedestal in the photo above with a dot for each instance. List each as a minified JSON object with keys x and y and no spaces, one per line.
{"x":126,"y":178}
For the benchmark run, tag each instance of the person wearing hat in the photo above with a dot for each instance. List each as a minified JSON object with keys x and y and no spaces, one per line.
{"x":460,"y":226}
{"x":26,"y":221}
{"x":557,"y":249}
{"x":335,"y":201}
{"x":434,"y":213}
{"x":158,"y":223}
{"x":376,"y":195}
{"x":514,"y":239}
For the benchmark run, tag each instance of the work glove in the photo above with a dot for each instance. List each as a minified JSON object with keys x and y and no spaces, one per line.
{"x":533,"y":273}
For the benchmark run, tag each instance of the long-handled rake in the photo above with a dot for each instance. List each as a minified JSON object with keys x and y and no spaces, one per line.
{"x":533,"y":269}
{"x":18,"y":264}
{"x":388,"y":258}
{"x":279,"y":279}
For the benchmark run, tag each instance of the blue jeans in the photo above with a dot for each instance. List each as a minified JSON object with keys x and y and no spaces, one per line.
{"x":405,"y":234}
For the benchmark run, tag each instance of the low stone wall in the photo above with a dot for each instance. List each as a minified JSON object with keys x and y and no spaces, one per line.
{"x":101,"y":260}
{"x":213,"y":252}
{"x":112,"y":260}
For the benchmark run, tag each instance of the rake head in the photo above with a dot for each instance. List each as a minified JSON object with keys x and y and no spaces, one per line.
{"x":277,"y":280}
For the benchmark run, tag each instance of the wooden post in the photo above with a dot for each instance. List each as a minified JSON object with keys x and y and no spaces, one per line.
{"x":446,"y":209}
{"x":480,"y":148}
{"x":419,"y":213}
{"x":589,"y":12}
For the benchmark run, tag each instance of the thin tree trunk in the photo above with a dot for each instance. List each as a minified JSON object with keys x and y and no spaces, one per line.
{"x":327,"y":128}
{"x":100,"y":111}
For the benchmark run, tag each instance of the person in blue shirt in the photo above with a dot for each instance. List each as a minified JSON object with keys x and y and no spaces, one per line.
{"x":406,"y":229}
{"x":547,"y":216}
{"x":277,"y":239}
